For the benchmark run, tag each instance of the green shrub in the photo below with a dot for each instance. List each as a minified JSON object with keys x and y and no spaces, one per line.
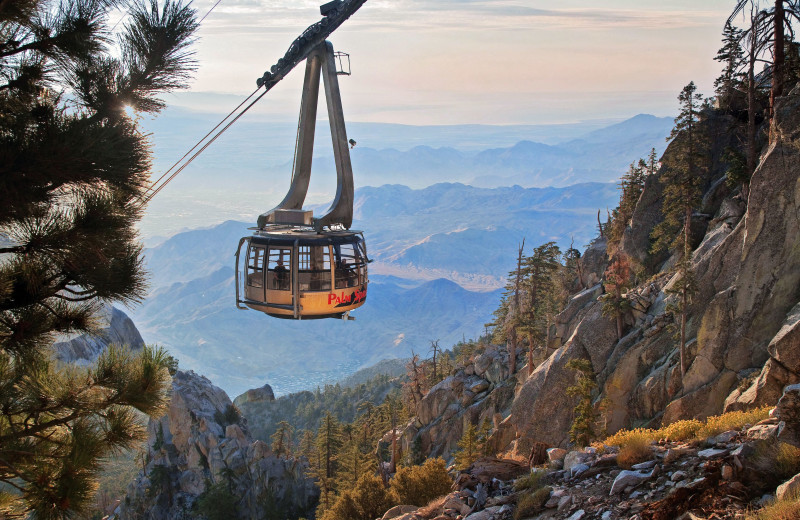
{"x":418,"y":485}
{"x":217,"y":503}
{"x":366,"y":501}
{"x":530,"y":482}
{"x":231,"y":415}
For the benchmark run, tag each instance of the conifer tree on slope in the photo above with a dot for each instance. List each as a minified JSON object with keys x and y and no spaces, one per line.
{"x":731,"y":55}
{"x":543,"y":289}
{"x":72,"y":166}
{"x":772,"y":28}
{"x":329,"y":443}
{"x":682,"y":194}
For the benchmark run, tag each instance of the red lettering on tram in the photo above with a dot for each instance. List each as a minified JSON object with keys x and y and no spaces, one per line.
{"x":347,"y":299}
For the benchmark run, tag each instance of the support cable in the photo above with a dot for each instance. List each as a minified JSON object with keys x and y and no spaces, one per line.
{"x":155,"y":191}
{"x":334,"y":14}
{"x":155,"y":183}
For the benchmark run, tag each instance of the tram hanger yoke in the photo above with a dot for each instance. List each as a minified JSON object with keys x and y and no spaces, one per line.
{"x":321,"y":61}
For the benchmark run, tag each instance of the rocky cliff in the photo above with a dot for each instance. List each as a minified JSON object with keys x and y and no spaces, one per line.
{"x":203,"y":442}
{"x":480,"y":391}
{"x":743,"y":322}
{"x":115,"y":327}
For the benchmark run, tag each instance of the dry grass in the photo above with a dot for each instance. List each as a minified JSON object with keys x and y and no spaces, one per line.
{"x":681,"y":430}
{"x":433,"y":508}
{"x":786,"y":509}
{"x":778,"y":460}
{"x":635,"y":451}
{"x":531,"y":503}
{"x":689,"y":429}
{"x":637,"y":436}
{"x":732,"y":420}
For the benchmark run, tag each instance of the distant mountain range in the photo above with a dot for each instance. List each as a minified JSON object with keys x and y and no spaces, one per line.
{"x":417,"y":238}
{"x":463,"y":233}
{"x":247,"y":171}
{"x":199,"y":324}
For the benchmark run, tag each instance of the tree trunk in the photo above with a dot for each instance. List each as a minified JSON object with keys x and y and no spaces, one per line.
{"x":683,"y":334}
{"x":393,"y":462}
{"x":530,"y":353}
{"x":512,"y":352}
{"x":751,"y":116}
{"x":778,"y":62}
{"x":618,"y":296}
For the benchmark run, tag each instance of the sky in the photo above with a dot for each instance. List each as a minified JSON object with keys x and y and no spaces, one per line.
{"x":445,"y":62}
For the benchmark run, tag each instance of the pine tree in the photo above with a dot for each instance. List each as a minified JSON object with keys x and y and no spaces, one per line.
{"x":484,"y":432}
{"x":328,"y":444}
{"x":354,"y":462}
{"x":468,"y":448}
{"x":508,"y":317}
{"x":617,"y":280}
{"x":392,"y":408}
{"x":544,"y":293}
{"x":573,"y":264}
{"x":73,"y":166}
{"x":582,"y":431}
{"x":282,"y":440}
{"x":435,"y":351}
{"x":416,"y":385}
{"x":306,"y":447}
{"x":682,"y":182}
{"x":731,"y":56}
{"x":771,"y":26}
{"x":631,"y":186}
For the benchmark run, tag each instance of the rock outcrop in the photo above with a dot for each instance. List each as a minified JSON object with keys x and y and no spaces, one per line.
{"x":721,"y":477}
{"x":480,"y":391}
{"x":255,"y":395}
{"x":115,"y":327}
{"x":201,"y":442}
{"x":743,"y":325}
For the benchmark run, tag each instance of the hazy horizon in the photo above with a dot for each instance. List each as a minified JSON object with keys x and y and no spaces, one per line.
{"x":470,"y":62}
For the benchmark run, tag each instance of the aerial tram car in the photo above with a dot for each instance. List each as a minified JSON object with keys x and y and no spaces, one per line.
{"x":295,"y":265}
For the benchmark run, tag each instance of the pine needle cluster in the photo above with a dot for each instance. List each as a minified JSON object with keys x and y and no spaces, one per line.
{"x":72,"y":168}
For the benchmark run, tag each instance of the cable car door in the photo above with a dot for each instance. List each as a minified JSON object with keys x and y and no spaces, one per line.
{"x":254,"y":281}
{"x":279,"y":276}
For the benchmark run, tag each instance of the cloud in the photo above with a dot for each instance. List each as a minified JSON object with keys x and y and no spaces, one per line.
{"x":515,"y":15}
{"x":382,"y":15}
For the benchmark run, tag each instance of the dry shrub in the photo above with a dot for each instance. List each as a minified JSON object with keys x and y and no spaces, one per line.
{"x":636,"y":450}
{"x":531,"y":503}
{"x":732,"y":421}
{"x":418,"y":485}
{"x":681,"y":430}
{"x":786,"y":509}
{"x":433,"y":508}
{"x":625,"y":437}
{"x":777,"y":459}
{"x":690,"y":429}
